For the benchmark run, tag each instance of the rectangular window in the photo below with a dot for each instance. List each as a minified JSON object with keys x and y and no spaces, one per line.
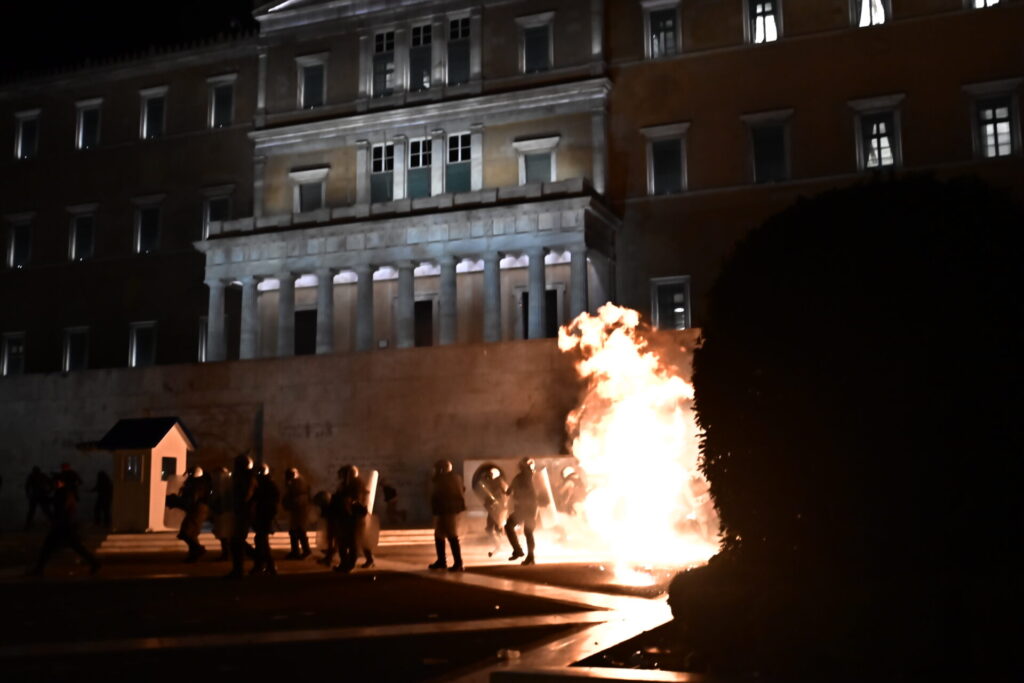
{"x":537,"y":167}
{"x":13,"y":354}
{"x":458,"y":51}
{"x":215,"y":209}
{"x":418,"y":178}
{"x":670,"y":302}
{"x":19,"y":245}
{"x":222,"y":102}
{"x":871,"y":12}
{"x":770,"y":155}
{"x":995,"y":127}
{"x":141,"y":344}
{"x":384,"y":64}
{"x":27,"y":142}
{"x":662,"y":32}
{"x":666,"y":166}
{"x":536,"y":48}
{"x":133,"y":467}
{"x":420,"y":58}
{"x":878,"y":137}
{"x":76,"y":349}
{"x":457,"y":170}
{"x":312,"y":84}
{"x":147,"y":229}
{"x":153,"y":116}
{"x":981,"y":4}
{"x":311,"y":196}
{"x":87,"y":128}
{"x":80,"y":246}
{"x":764,"y":21}
{"x":382,"y":173}
{"x":168,"y":467}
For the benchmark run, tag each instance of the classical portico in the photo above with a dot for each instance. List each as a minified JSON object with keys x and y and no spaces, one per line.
{"x":563,"y":226}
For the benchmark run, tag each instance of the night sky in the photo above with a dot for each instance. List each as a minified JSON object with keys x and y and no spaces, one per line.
{"x":40,"y":36}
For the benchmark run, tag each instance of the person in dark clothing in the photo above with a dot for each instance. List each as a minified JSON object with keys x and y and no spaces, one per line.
{"x":221,"y":515}
{"x":243,"y":489}
{"x":195,"y":500}
{"x":37,"y":487}
{"x":71,"y":478}
{"x":104,"y":490}
{"x":327,"y":513}
{"x":447,"y":500}
{"x":265,"y":499}
{"x":395,"y":515}
{"x":296,"y":502}
{"x":524,"y":510}
{"x":491,"y":490}
{"x":63,"y":529}
{"x":348,"y":507}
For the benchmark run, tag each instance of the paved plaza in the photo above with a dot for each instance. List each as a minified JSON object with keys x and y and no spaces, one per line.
{"x":149,"y":616}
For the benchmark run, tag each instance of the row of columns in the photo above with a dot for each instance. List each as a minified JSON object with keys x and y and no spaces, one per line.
{"x":405,"y":318}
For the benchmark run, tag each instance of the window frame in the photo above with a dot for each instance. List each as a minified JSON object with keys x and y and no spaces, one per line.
{"x":429,"y":46}
{"x":308,"y":176}
{"x":212,"y":194}
{"x":544,"y":145}
{"x":448,"y":41}
{"x":145,"y":96}
{"x":426,"y":161}
{"x":385,"y":147}
{"x":77,"y":213}
{"x":871,"y":106}
{"x":670,"y":131}
{"x":397,"y":77}
{"x":657,"y":282}
{"x":133,"y":330}
{"x":532,"y":21}
{"x":66,"y":348}
{"x":749,"y":26}
{"x":856,"y":8}
{"x":973,"y":4}
{"x":14,"y":223}
{"x":81,"y":107}
{"x":301,"y":64}
{"x":649,"y":6}
{"x":143,"y":204}
{"x":21,"y":118}
{"x":777,"y":117}
{"x":212,"y":84}
{"x":5,"y":353}
{"x":987,"y":91}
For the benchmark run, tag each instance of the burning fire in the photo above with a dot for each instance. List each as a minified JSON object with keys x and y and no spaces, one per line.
{"x":635,"y":436}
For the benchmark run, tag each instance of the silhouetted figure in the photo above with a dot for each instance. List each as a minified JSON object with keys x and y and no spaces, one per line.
{"x":447,"y":500}
{"x":38,"y":488}
{"x":572,"y":492}
{"x":266,"y":499}
{"x":524,"y":510}
{"x":348,"y":509}
{"x":322,"y":500}
{"x":491,"y":491}
{"x":395,"y":515}
{"x":104,"y":490}
{"x":221,"y":514}
{"x":70,"y":477}
{"x":63,"y":529}
{"x":243,"y":488}
{"x":296,"y":502}
{"x":195,"y":501}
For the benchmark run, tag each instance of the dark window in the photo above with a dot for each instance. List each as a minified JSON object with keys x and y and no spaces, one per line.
{"x":76,"y":350}
{"x":667,"y":165}
{"x":312,"y":86}
{"x":217,"y":209}
{"x":88,"y":128}
{"x":769,"y":153}
{"x":223,"y":96}
{"x":305,"y":333}
{"x":550,"y":313}
{"x":420,"y":58}
{"x":14,"y":354}
{"x":310,"y":197}
{"x":384,"y":64}
{"x":672,"y":302}
{"x":82,"y":236}
{"x":458,"y":51}
{"x":143,"y":345}
{"x":149,"y":230}
{"x":133,"y":467}
{"x":996,"y":127}
{"x":877,"y":131}
{"x":423,"y":315}
{"x":538,"y":167}
{"x":154,"y":123}
{"x":663,"y":40}
{"x":418,"y":177}
{"x":168,"y":468}
{"x":382,"y":173}
{"x":21,"y":237}
{"x":536,"y":49}
{"x":458,"y":170}
{"x":28,"y":137}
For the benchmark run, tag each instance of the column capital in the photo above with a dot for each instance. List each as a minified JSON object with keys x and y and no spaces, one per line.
{"x":437,"y":132}
{"x":250,"y":279}
{"x":493,"y":256}
{"x":476,"y":128}
{"x":579,"y":249}
{"x":362,"y":144}
{"x":536,"y":250}
{"x":288,"y":275}
{"x":216,"y":282}
{"x":449,"y":259}
{"x":361,"y":269}
{"x":326,"y":271}
{"x":400,"y":137}
{"x":406,"y":264}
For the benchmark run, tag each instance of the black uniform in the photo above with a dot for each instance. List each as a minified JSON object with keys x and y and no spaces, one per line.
{"x":243,"y":488}
{"x":64,"y":530}
{"x":524,"y":511}
{"x":296,"y":502}
{"x":265,"y":500}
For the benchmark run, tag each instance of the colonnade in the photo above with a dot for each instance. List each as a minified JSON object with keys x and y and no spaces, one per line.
{"x":404,"y":322}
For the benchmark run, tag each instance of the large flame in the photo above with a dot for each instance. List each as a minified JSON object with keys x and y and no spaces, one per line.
{"x":635,"y":436}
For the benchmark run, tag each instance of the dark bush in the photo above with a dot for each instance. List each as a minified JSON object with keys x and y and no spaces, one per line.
{"x":860,"y":392}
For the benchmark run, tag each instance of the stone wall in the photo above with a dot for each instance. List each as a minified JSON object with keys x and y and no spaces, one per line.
{"x":396,"y":411}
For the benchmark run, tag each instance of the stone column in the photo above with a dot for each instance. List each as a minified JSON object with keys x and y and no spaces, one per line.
{"x":248,"y":344}
{"x":405,"y":311}
{"x":438,"y":158}
{"x":492,"y":297}
{"x":578,"y":281}
{"x":261,"y":87}
{"x":259,"y":164}
{"x":216,"y":345}
{"x":286,"y":315}
{"x":538,"y":287}
{"x":398,"y":189}
{"x":449,"y":301}
{"x":364,"y":307}
{"x":325,"y":310}
{"x":599,"y":150}
{"x":362,"y":172}
{"x":476,"y":154}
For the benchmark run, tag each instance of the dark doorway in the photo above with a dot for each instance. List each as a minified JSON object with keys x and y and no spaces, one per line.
{"x":424,"y":316}
{"x":550,"y":313}
{"x":305,"y":333}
